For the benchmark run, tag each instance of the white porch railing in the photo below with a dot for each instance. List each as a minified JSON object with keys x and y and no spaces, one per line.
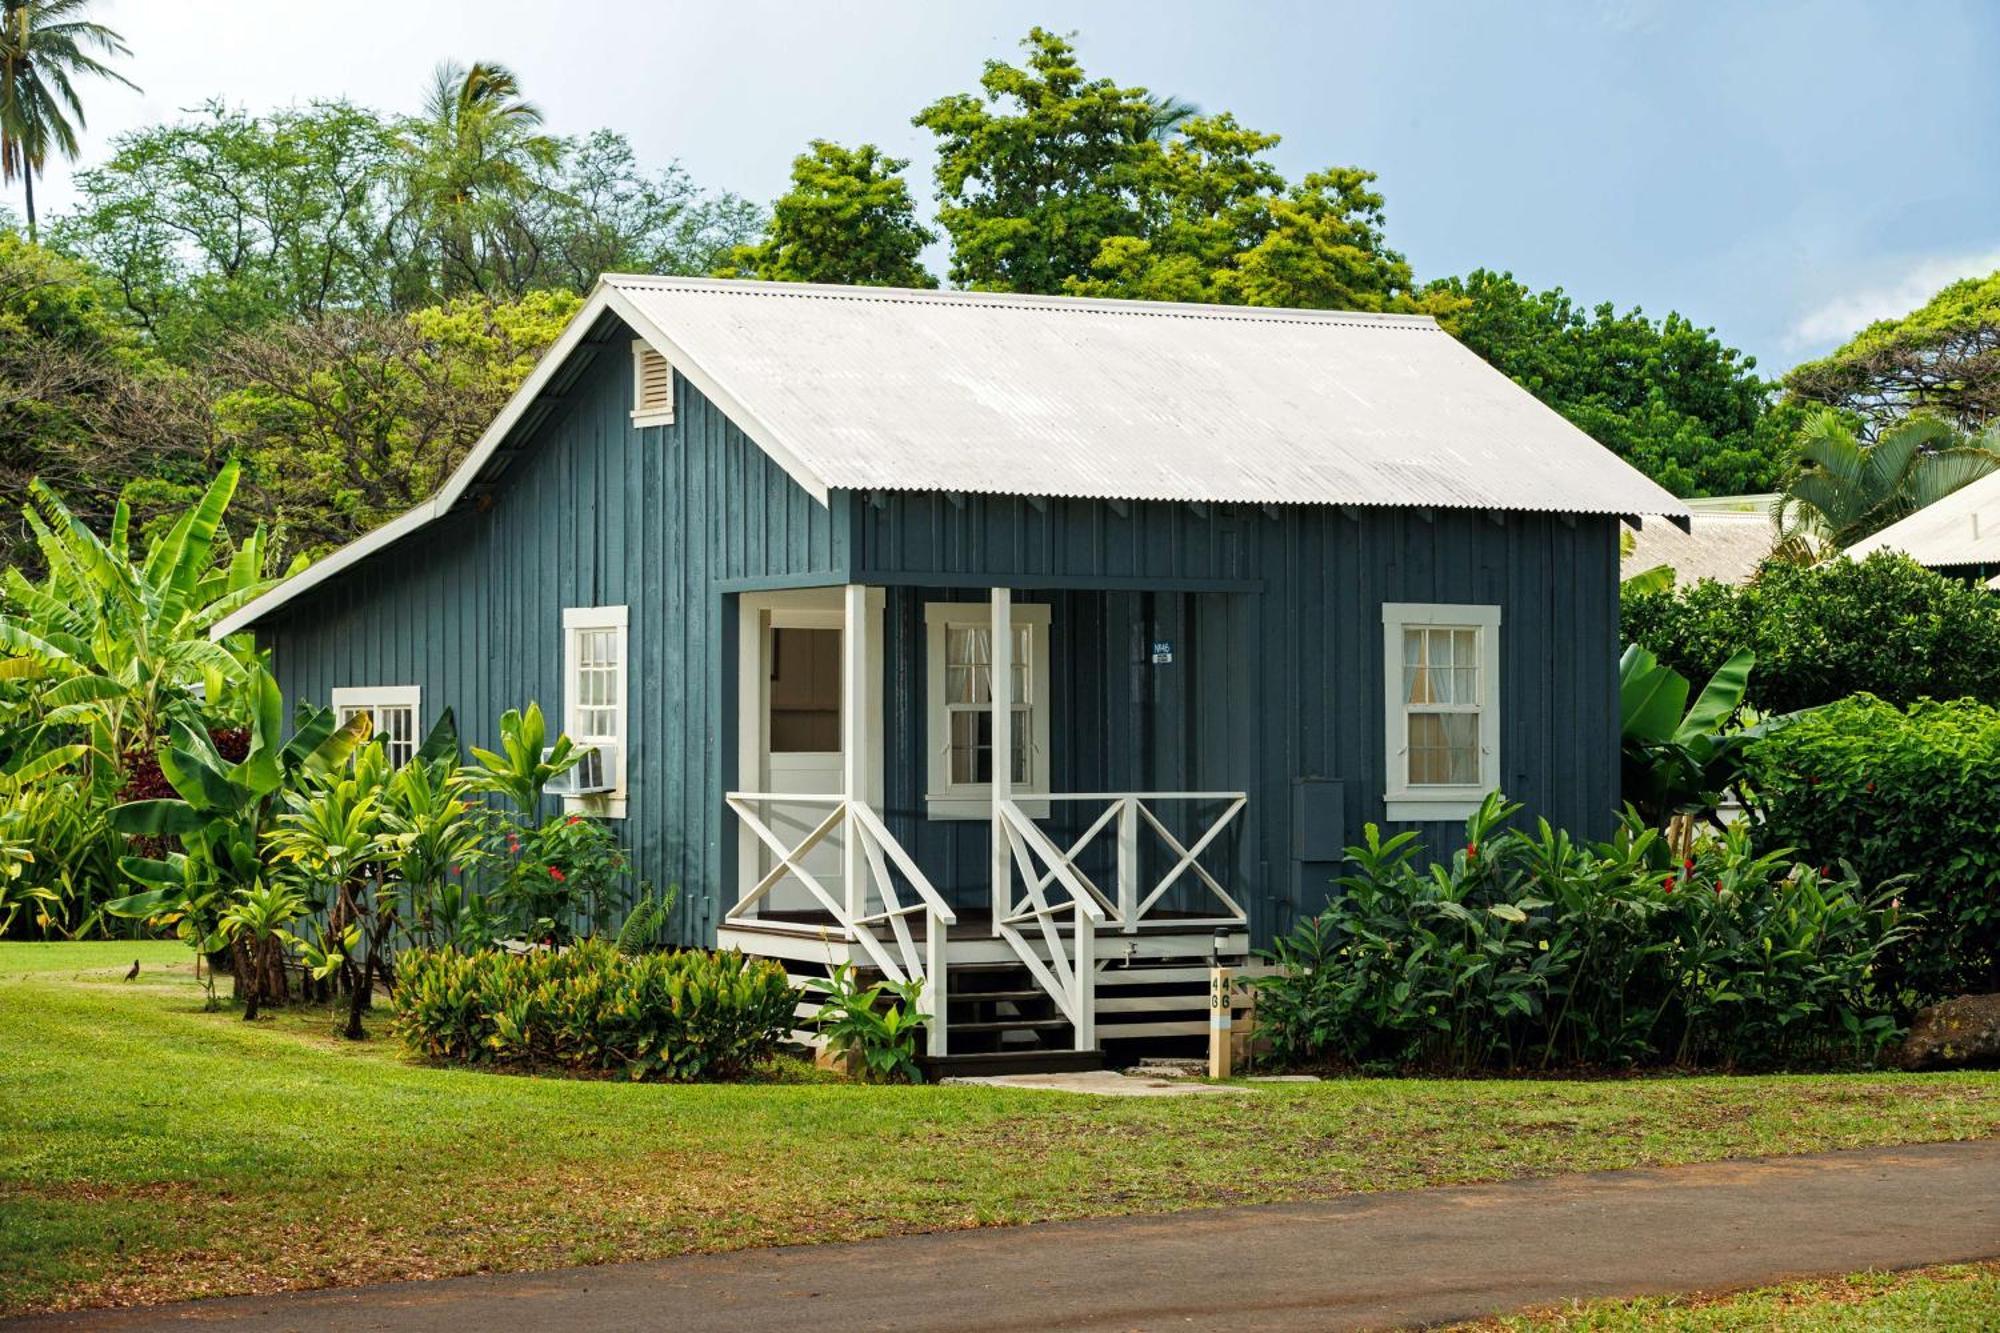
{"x":1069,"y":974}
{"x":1132,"y":897}
{"x":858,"y":915}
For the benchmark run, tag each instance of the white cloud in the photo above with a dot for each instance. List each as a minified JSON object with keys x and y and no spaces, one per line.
{"x":1839,"y":318}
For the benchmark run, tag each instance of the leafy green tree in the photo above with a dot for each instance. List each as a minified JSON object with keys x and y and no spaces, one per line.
{"x":45,"y":47}
{"x":1665,"y":395}
{"x":1843,"y":488}
{"x":1031,"y":191}
{"x":1085,"y":187}
{"x":1942,"y":358}
{"x":83,"y":405}
{"x":226,"y":221}
{"x":347,"y":420}
{"x":848,"y":218}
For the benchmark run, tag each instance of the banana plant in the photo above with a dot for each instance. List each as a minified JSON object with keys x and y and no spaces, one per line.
{"x":220,"y":812}
{"x":523,"y":769}
{"x":1679,"y":760}
{"x":111,"y":641}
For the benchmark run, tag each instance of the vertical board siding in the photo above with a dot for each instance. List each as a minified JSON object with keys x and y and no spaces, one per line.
{"x":593,"y":511}
{"x":1275,"y":614}
{"x":1273,"y":684}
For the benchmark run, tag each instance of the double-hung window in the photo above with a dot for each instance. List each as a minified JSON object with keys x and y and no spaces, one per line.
{"x":394,"y":714}
{"x":960,"y":732}
{"x":1441,"y":672}
{"x":595,"y":693}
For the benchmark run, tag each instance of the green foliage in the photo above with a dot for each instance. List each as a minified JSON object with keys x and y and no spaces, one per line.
{"x":120,"y":641}
{"x":1905,"y":792}
{"x":1531,"y":950}
{"x":1841,"y":489}
{"x":521,"y":770}
{"x":1664,"y":395}
{"x":1679,"y":760}
{"x":347,"y":419}
{"x":674,"y":1016}
{"x":1082,"y":186}
{"x":1884,"y":626}
{"x":646,"y":926}
{"x":222,"y":222}
{"x":848,"y":218}
{"x":879,"y":1022}
{"x":1942,"y":358}
{"x":567,"y":871}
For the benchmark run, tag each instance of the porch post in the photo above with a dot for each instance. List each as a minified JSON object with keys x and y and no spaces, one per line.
{"x":854,"y":738}
{"x":1001,"y":695}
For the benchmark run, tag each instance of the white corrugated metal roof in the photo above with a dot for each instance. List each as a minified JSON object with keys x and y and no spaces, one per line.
{"x":1722,"y":544}
{"x":885,"y":389}
{"x":1961,"y":529}
{"x":871,"y":388}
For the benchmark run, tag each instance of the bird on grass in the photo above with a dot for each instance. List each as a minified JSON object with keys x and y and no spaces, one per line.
{"x":135,"y":970}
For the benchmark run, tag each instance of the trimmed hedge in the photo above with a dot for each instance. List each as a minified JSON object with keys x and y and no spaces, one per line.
{"x":1884,"y":626}
{"x":1898,"y":792}
{"x":676,"y":1016}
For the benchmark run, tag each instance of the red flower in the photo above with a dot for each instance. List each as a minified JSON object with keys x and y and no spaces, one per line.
{"x":1871,"y":786}
{"x":454,"y":870}
{"x":1472,"y":850}
{"x":557,"y":875}
{"x":1668,"y":884}
{"x":1688,"y":865}
{"x":576,"y":819}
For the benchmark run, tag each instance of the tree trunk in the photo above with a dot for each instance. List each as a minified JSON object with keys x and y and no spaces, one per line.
{"x":28,"y":179}
{"x":359,"y":1000}
{"x":249,"y":977}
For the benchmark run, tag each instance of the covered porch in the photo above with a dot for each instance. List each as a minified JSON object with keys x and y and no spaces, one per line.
{"x":1045,"y":884}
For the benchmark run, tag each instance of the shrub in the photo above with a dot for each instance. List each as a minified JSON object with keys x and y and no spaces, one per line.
{"x":674,"y":1016}
{"x":1532,"y":950}
{"x":879,"y":1022}
{"x":1898,"y":792}
{"x":1884,"y":626}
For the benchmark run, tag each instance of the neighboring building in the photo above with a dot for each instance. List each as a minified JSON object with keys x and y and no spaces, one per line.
{"x":1726,"y":538}
{"x":1242,"y":580}
{"x":1958,"y":536}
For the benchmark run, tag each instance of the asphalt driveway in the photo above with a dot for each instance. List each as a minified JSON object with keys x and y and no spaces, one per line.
{"x":1370,"y":1261}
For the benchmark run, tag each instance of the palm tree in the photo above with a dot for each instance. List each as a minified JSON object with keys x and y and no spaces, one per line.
{"x":1166,"y":113}
{"x":44,"y":46}
{"x":1842,"y":489}
{"x":478,"y":143}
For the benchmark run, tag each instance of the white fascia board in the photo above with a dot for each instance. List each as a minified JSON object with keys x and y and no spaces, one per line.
{"x":732,"y":407}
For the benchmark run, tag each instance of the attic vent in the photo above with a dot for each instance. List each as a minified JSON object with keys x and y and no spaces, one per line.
{"x":652,"y":387}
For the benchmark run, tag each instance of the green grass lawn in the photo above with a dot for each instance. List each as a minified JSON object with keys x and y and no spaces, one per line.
{"x":1956,"y":1299}
{"x":150,"y":1151}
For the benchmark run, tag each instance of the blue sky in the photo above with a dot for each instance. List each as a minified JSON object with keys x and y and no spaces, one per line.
{"x":1782,"y":171}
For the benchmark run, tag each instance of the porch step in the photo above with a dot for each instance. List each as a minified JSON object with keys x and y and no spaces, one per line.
{"x":1009,"y":1062}
{"x":1014,"y":1025}
{"x":975,"y":996}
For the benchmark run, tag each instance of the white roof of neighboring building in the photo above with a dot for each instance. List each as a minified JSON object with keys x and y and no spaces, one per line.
{"x":1961,"y":529}
{"x":1721,"y":543}
{"x":871,"y":388}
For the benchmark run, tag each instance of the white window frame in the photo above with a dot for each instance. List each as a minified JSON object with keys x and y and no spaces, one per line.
{"x":641,"y":414}
{"x":1406,"y":802}
{"x":944,"y":798}
{"x":576,"y":621}
{"x":351,"y":699}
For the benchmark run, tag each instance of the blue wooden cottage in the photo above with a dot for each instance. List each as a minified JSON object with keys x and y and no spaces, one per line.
{"x":1236,"y":581}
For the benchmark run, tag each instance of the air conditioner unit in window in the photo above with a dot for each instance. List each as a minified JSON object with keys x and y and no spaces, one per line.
{"x":592,"y":775}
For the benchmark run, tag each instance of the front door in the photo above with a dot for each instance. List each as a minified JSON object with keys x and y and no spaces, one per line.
{"x":801,"y":748}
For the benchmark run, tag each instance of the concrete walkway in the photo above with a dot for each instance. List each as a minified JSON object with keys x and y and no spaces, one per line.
{"x":1369,"y":1261}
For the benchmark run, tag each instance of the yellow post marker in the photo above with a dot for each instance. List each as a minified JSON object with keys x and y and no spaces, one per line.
{"x":1221,"y":1022}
